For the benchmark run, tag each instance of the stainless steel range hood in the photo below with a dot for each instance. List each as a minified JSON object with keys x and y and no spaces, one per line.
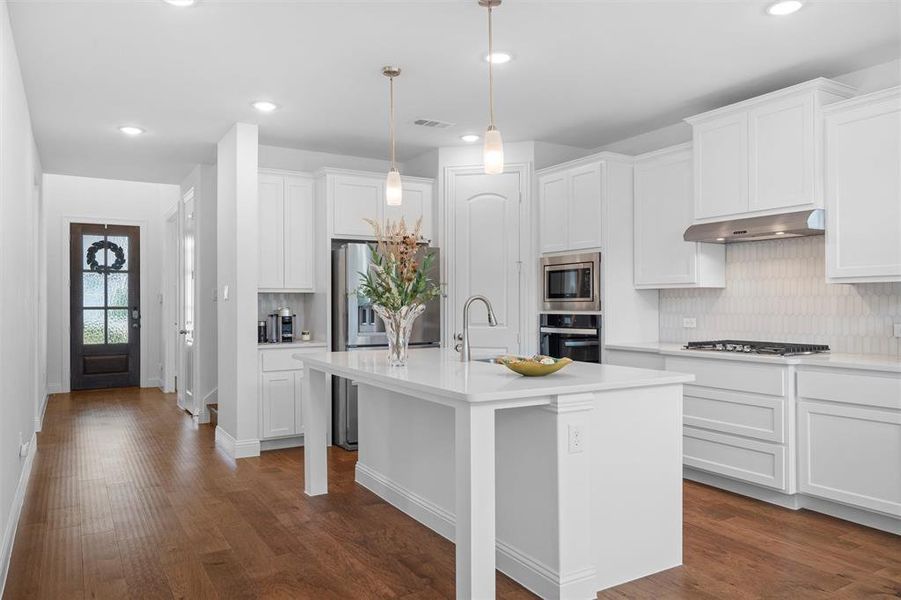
{"x":752,"y":229}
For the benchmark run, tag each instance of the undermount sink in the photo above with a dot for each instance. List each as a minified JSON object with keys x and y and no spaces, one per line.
{"x":486,"y":360}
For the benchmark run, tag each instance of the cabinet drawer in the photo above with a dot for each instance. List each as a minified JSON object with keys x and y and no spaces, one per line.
{"x":852,"y":388}
{"x":753,"y":461}
{"x":760,"y":417}
{"x":851,"y":454}
{"x":283,"y":359}
{"x":732,"y":375}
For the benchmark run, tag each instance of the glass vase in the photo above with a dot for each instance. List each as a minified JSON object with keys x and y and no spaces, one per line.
{"x":398,"y":326}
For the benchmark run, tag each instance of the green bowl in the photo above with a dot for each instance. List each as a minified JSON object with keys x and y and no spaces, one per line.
{"x":532,"y":368}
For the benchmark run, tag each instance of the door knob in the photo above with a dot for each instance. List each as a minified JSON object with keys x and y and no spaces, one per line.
{"x":182,"y":331}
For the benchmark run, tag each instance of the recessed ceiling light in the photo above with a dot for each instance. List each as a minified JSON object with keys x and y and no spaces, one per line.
{"x":131,"y":130}
{"x":180,"y":3}
{"x":498,"y":58}
{"x":470,"y":137}
{"x":265,"y":106}
{"x":784,"y":7}
{"x":721,"y":239}
{"x":780,"y":233}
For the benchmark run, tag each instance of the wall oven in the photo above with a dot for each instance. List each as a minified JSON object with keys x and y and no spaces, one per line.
{"x":572,"y":282}
{"x":575,"y":336}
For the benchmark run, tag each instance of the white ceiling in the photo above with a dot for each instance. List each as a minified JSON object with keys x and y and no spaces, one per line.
{"x":585,"y":73}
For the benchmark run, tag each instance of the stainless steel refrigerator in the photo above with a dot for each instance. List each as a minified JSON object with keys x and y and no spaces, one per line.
{"x":356,"y":326}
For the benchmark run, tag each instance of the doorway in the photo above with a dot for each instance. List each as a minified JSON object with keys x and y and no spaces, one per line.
{"x":486,"y":220}
{"x":105,"y":311}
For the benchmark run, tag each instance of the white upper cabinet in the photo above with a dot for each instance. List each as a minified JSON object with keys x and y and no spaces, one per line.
{"x":271,"y":232}
{"x":721,"y":156}
{"x":552,"y":196}
{"x":571,"y":205}
{"x":663,"y":210}
{"x":764,"y":155}
{"x":352,"y":197}
{"x":286,"y":236}
{"x":863,"y":188}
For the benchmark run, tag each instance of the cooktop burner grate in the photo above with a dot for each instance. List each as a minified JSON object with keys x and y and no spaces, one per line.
{"x":774,"y":348}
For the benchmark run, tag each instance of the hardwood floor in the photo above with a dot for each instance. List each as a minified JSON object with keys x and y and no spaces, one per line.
{"x":129,"y":499}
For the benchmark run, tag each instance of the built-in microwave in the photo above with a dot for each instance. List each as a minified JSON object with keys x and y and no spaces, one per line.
{"x":571,"y":282}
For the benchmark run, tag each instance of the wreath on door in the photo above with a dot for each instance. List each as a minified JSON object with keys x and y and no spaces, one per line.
{"x":113,"y":247}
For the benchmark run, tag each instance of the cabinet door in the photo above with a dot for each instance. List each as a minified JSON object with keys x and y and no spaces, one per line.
{"x":553,"y":196}
{"x":721,"y":166}
{"x":863,"y":187}
{"x":585,"y":208}
{"x":271,"y":232}
{"x":851,"y":454}
{"x":782,"y":154}
{"x":299,"y":237}
{"x":664,"y":196}
{"x":279,"y":400}
{"x":417,"y":204}
{"x":354,"y":199}
{"x":298,"y":402}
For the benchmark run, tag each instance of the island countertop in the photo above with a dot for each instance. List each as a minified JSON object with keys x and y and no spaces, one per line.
{"x":439,"y":372}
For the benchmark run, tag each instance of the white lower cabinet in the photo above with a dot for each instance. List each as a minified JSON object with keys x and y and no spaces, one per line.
{"x":280,"y":401}
{"x":736,"y":419}
{"x":850,"y":439}
{"x":281,"y":392}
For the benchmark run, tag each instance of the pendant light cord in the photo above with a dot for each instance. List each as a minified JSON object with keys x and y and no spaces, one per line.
{"x":391,"y":122}
{"x":490,"y":72}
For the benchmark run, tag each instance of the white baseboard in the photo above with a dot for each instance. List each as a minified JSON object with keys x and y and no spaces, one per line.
{"x":530,"y":573}
{"x":39,"y":420}
{"x":798,"y":501}
{"x":211,"y":398}
{"x":151,"y":382}
{"x":12,"y":522}
{"x":294,"y":441}
{"x":55,"y":388}
{"x":236,"y":448}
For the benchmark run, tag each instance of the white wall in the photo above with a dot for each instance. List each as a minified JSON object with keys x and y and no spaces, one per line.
{"x":87,"y":200}
{"x":293,"y":159}
{"x":21,"y":396}
{"x":236,"y":255}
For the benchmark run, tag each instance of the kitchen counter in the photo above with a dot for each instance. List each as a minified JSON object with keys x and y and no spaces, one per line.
{"x":836,"y":360}
{"x":310,"y":344}
{"x":569,"y":483}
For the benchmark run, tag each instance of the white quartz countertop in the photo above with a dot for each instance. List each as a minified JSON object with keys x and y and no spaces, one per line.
{"x":440,"y":372}
{"x":310,"y":344}
{"x":871,"y":362}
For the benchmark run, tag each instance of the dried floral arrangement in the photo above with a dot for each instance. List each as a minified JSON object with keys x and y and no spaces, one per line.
{"x":397,"y":273}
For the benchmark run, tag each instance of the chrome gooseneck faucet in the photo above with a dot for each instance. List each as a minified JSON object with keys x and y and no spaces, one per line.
{"x":463,"y":338}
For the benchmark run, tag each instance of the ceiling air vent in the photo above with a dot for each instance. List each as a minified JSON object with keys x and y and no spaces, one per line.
{"x":433,"y":123}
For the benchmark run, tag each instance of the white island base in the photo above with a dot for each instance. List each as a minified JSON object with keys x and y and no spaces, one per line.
{"x":568,"y":484}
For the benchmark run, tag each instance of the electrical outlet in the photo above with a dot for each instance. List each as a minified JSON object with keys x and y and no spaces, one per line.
{"x":689,"y":322}
{"x":897,"y":330}
{"x":576,"y":441}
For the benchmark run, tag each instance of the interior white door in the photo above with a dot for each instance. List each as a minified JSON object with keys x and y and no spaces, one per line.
{"x":486,"y":258}
{"x":171,"y":300}
{"x":186,"y":354}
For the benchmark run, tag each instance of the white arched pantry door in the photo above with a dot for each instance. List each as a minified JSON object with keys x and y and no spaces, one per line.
{"x":484,"y":256}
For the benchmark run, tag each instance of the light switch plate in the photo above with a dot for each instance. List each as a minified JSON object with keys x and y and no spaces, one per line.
{"x":897,"y":332}
{"x":689,"y":322}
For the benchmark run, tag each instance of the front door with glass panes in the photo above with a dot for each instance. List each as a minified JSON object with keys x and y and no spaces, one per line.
{"x":105,"y":273}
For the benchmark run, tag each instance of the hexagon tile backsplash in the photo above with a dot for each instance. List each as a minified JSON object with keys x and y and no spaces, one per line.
{"x":777,"y":291}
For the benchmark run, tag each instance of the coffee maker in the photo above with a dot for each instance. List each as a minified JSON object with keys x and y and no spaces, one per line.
{"x":282,"y":326}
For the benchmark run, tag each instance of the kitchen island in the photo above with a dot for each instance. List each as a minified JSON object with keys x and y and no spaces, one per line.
{"x":569,"y":483}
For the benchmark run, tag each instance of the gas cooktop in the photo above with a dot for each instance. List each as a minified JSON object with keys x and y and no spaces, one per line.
{"x":773,"y":348}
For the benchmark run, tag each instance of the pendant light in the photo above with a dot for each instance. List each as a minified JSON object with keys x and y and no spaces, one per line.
{"x":393,"y":186}
{"x":493,"y":152}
